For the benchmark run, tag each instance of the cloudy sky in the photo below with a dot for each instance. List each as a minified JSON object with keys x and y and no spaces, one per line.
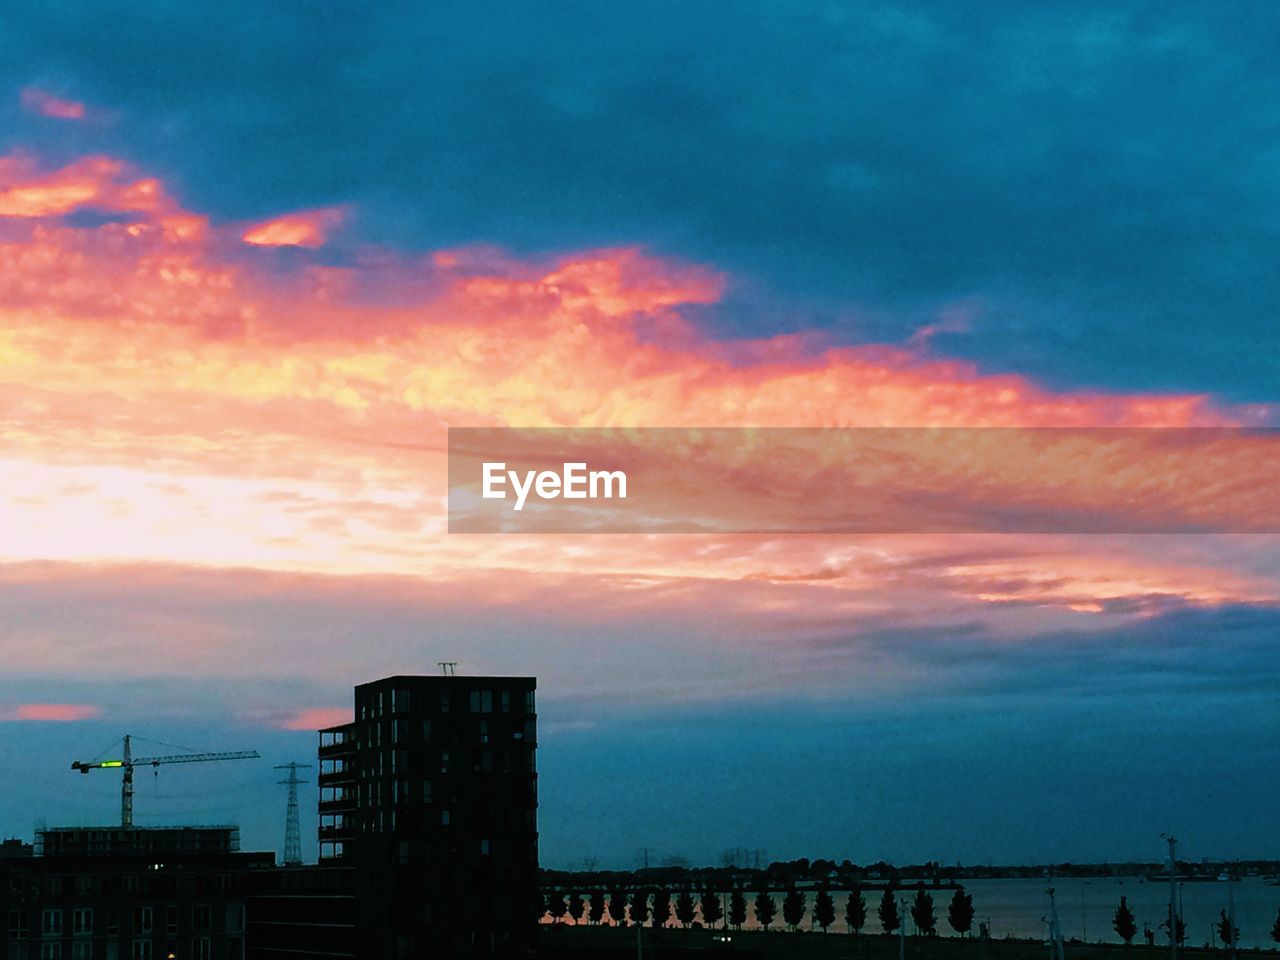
{"x":255,"y":258}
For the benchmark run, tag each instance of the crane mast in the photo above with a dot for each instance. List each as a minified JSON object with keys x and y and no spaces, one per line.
{"x":128,"y":762}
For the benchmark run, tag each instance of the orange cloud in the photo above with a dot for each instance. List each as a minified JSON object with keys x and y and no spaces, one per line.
{"x":170,"y":396}
{"x":49,"y":712}
{"x":47,"y":105}
{"x":307,"y":228}
{"x":316,"y":718}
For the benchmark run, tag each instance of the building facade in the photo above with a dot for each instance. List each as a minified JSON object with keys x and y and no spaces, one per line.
{"x":127,"y":893}
{"x":430,"y":797}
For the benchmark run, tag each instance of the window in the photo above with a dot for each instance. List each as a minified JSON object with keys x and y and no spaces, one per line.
{"x":113,"y":922}
{"x":18,"y":928}
{"x":444,"y":761}
{"x":444,"y":701}
{"x":235,"y":922}
{"x":528,"y":701}
{"x":141,"y":950}
{"x":404,"y":853}
{"x":399,"y":730}
{"x":399,"y":761}
{"x":426,"y":731}
{"x":84,"y":886}
{"x":482,"y":701}
{"x":401,"y":791}
{"x":51,"y":923}
{"x":82,"y":950}
{"x":235,"y":948}
{"x":484,"y":847}
{"x":506,"y":701}
{"x":484,"y":731}
{"x":426,"y":791}
{"x":131,"y":885}
{"x":142,"y":919}
{"x":530,"y":731}
{"x":204,"y":949}
{"x":171,"y":918}
{"x":50,"y":951}
{"x":82,"y":921}
{"x":200,"y":916}
{"x":399,"y":701}
{"x":444,"y":818}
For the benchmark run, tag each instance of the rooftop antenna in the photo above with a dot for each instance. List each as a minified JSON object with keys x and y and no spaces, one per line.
{"x":448,"y":667}
{"x":292,"y":832}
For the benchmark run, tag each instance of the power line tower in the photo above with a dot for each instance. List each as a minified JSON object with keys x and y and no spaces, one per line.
{"x":292,"y":832}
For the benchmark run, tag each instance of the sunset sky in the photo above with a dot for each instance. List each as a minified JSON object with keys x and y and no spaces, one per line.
{"x":254,"y":259}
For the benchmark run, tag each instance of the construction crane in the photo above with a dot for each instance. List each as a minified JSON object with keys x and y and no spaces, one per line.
{"x":129,"y":761}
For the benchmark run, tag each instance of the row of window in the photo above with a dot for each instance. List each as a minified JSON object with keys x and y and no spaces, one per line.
{"x":479,"y":701}
{"x":79,"y":921}
{"x":201,"y":949}
{"x":482,"y":761}
{"x":200,"y":884}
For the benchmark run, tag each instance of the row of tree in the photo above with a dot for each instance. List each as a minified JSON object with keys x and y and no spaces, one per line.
{"x":657,"y":908}
{"x":1125,"y":925}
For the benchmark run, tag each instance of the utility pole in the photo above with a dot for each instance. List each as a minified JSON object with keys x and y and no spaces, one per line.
{"x":1055,"y":930}
{"x":292,"y":832}
{"x":1174,"y":912}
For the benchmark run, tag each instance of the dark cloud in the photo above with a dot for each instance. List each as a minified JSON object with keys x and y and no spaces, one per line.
{"x":1088,"y":189}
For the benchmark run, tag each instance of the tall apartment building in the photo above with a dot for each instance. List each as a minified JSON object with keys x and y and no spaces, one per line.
{"x":430,"y":797}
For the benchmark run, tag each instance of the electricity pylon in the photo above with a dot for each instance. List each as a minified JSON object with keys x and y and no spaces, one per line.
{"x":292,"y":832}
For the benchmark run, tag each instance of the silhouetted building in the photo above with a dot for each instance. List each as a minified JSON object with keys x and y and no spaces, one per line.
{"x":127,"y":893}
{"x":301,"y":913}
{"x":430,"y":797}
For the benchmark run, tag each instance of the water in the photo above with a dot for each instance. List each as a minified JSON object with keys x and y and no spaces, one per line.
{"x":1086,"y":907}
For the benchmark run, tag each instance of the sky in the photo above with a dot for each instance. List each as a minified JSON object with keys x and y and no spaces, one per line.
{"x":254,"y":259}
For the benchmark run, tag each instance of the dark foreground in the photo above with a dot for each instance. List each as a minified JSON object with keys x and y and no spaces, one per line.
{"x":566,"y":942}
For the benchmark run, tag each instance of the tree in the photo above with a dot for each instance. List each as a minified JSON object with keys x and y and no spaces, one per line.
{"x":766,"y":909}
{"x":737,"y":909}
{"x":684,"y":908}
{"x":960,"y":912}
{"x":922,"y":913}
{"x":824,"y":909}
{"x":1275,"y":928}
{"x":576,"y":908}
{"x":661,"y":908}
{"x":890,"y":919}
{"x":855,"y":910}
{"x":1125,"y":926}
{"x":1228,"y":932}
{"x":793,"y":907}
{"x":617,"y":907}
{"x":595,"y":908}
{"x":1182,"y":929}
{"x":639,"y":907}
{"x":711,"y":907}
{"x":556,"y":906}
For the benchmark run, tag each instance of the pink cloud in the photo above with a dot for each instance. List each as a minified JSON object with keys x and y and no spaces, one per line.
{"x":49,"y":712}
{"x":46,"y":104}
{"x":306,"y":228}
{"x":315,"y":718}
